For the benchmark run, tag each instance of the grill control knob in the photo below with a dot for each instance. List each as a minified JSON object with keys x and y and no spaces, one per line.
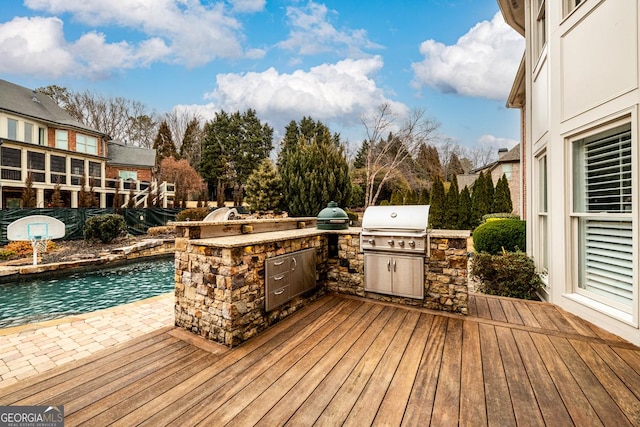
{"x":401,"y":243}
{"x":412,"y":243}
{"x":390,"y":242}
{"x":371,"y":242}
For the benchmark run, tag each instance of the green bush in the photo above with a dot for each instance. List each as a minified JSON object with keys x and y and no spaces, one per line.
{"x":495,"y":216}
{"x":105,"y":227}
{"x":494,"y":236}
{"x":193,"y":214}
{"x":510,"y":274}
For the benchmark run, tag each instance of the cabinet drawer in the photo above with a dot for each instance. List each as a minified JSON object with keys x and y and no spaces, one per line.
{"x":278,"y":265}
{"x":277,"y":281}
{"x":277,"y":297}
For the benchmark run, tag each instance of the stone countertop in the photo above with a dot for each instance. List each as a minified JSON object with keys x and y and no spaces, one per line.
{"x":268,"y":237}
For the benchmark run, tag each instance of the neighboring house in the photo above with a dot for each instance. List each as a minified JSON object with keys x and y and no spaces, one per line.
{"x":508,"y":164}
{"x":40,"y":139}
{"x":578,"y":88}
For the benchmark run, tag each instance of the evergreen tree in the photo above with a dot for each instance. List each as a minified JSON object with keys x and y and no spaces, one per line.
{"x":117,"y":199}
{"x":82,"y":194}
{"x":489,"y":188}
{"x":454,"y":167}
{"x":398,"y":197}
{"x":423,"y":198}
{"x":56,"y":197}
{"x":451,"y":205}
{"x":428,"y":164}
{"x":163,"y":144}
{"x":436,"y":211}
{"x":480,"y":200}
{"x":264,"y":187}
{"x":313,"y":168}
{"x":360,"y":160}
{"x":191,"y":149}
{"x":233,"y":146}
{"x":131,"y":202}
{"x":464,"y":209}
{"x":28,"y":193}
{"x":502,"y":198}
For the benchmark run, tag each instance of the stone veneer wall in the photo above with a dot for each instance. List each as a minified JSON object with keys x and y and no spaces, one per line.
{"x":220,"y":292}
{"x":446,"y":272}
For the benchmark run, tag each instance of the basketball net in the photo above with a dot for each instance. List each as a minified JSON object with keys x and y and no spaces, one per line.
{"x":39,"y":245}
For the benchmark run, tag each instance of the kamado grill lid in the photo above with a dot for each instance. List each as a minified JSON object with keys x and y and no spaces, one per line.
{"x":333,"y":218}
{"x":402,"y":218}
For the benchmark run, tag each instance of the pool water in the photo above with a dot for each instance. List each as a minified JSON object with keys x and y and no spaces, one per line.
{"x":83,"y":292}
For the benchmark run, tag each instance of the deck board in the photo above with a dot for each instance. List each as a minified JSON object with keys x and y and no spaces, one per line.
{"x":346,"y":360}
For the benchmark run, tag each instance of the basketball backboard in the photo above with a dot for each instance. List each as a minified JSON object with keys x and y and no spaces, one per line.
{"x":36,"y":227}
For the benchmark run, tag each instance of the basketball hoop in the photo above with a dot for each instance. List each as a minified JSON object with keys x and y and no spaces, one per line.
{"x":39,"y":245}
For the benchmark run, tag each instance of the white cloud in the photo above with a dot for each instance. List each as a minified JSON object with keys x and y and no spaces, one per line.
{"x":193,"y":34}
{"x":248,"y":6}
{"x":340,"y":93}
{"x":496,"y":142}
{"x":34,"y":45}
{"x":482,"y":63}
{"x":313,"y":33}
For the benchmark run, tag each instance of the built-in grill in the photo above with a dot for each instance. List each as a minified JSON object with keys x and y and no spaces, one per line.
{"x":394,"y":240}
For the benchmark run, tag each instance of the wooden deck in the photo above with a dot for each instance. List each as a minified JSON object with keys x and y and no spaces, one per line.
{"x":355,"y":362}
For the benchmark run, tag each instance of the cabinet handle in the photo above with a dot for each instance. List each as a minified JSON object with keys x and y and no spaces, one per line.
{"x":276,"y":278}
{"x":389,"y":265}
{"x":278,"y":292}
{"x":278,"y":263}
{"x":394,"y":265}
{"x":295,"y":264}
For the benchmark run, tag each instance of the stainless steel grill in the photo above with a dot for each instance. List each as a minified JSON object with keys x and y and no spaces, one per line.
{"x":395,"y":241}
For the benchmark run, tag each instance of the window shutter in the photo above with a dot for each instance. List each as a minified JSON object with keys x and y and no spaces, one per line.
{"x":608,"y":174}
{"x":609,"y":259}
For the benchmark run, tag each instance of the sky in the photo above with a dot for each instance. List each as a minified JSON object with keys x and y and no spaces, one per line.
{"x":336,"y":61}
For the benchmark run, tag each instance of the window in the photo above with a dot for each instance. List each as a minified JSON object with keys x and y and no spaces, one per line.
{"x":77,"y":171}
{"x":12,"y":129}
{"x":35,"y":165}
{"x":128,"y":175}
{"x":507,"y":168}
{"x":542,"y":252}
{"x":62,"y":139}
{"x":28,"y":132}
{"x":41,"y":137}
{"x":11,"y":163}
{"x":602,"y":216}
{"x":58,"y":166}
{"x":540,"y":35}
{"x":86,"y":144}
{"x":570,"y":5}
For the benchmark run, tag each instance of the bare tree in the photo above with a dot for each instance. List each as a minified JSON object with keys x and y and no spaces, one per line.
{"x":480,"y":155}
{"x":385,"y":158}
{"x":178,"y":121}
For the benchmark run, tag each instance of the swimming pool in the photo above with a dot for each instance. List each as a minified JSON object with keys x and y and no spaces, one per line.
{"x":83,"y":292}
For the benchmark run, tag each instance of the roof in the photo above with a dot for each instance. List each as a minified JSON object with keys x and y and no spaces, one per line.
{"x":513,"y":13}
{"x":27,"y":102}
{"x":130,"y":155}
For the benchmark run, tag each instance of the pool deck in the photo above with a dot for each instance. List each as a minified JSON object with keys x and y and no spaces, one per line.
{"x":31,"y":349}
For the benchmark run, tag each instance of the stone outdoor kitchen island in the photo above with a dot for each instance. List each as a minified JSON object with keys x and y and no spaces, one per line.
{"x":222,"y":283}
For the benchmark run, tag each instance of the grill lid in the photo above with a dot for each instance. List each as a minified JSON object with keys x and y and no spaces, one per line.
{"x":402,"y":218}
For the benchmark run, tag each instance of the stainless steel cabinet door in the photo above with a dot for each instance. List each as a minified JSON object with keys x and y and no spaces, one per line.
{"x":377,"y":273}
{"x":408,"y":276}
{"x":303,"y":271}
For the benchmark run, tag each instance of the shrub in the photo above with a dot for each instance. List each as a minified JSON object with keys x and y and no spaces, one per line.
{"x":21,"y":249}
{"x":497,"y":216}
{"x":105,"y":227}
{"x":494,"y":236}
{"x":193,"y":214}
{"x":510,"y":274}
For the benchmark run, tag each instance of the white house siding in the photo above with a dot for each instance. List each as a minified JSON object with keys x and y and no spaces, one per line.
{"x":584,"y":83}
